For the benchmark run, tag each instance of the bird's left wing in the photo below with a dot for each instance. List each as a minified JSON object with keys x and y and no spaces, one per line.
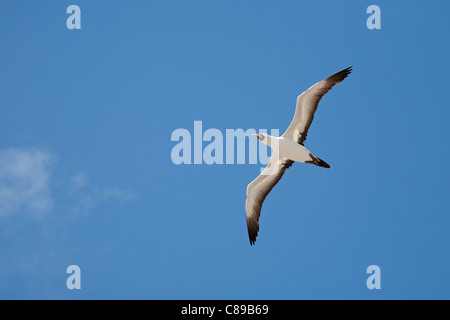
{"x":258,"y":190}
{"x":307,"y":104}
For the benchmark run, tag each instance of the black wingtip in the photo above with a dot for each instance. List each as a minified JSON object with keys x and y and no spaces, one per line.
{"x":349,"y":69}
{"x":253,"y":228}
{"x":252,"y":237}
{"x":341,"y":75}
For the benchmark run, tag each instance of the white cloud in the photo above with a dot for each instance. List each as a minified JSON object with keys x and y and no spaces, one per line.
{"x":88,"y":197}
{"x":25,"y":186}
{"x":79,"y":181}
{"x":24,"y":182}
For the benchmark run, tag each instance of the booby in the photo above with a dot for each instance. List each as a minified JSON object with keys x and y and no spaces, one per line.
{"x":287,"y":149}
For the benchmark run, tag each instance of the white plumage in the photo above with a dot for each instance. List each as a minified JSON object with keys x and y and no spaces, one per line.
{"x":287,"y":149}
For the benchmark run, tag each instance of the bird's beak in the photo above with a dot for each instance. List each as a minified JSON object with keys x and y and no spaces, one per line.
{"x":256,"y":135}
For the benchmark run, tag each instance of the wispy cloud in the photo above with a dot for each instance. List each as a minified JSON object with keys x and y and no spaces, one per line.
{"x":40,"y":198}
{"x":78,"y":181}
{"x":26,"y":179}
{"x":24,"y":182}
{"x":88,"y":196}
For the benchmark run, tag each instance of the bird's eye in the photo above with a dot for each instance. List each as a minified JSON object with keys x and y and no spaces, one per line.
{"x":262,"y":137}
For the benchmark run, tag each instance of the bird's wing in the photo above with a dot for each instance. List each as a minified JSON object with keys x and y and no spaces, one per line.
{"x":258,"y":190}
{"x":307,"y":104}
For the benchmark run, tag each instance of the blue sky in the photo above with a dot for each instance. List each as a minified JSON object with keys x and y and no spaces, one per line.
{"x":86,"y":176}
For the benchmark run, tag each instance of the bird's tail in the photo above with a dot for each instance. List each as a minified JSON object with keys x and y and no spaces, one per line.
{"x":318,"y":162}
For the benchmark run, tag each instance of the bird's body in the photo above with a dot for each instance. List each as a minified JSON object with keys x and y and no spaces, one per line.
{"x":287,"y":149}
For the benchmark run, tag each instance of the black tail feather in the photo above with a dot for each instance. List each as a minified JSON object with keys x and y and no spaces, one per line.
{"x":318,"y":162}
{"x":322,"y":163}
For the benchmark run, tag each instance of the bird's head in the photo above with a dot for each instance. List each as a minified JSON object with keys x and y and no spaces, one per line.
{"x":260,"y":136}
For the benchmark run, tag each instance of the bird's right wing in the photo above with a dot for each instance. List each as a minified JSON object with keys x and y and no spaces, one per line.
{"x":307,"y":104}
{"x":258,"y":190}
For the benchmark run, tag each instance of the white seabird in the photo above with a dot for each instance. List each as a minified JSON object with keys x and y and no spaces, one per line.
{"x":287,"y":149}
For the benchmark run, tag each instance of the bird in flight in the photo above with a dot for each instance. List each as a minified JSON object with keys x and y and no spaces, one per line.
{"x":287,"y":149}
